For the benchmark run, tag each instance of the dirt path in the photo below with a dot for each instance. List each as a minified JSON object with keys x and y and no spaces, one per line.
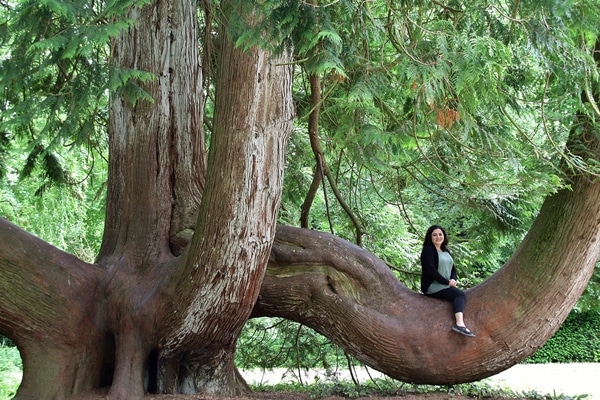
{"x":554,"y":379}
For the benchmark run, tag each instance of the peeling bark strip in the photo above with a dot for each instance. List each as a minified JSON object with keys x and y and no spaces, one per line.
{"x":350,"y":296}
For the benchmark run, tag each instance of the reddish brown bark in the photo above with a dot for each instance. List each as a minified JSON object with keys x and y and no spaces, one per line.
{"x":220,"y":274}
{"x":188,"y":311}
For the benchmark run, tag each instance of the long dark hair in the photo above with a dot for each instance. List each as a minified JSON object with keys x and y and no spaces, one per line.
{"x":429,"y":242}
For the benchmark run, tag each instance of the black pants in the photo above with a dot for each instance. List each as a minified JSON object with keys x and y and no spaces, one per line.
{"x":455,"y":295}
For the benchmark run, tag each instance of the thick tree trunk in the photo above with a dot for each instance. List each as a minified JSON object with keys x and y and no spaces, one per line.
{"x":187,"y":312}
{"x":351,"y":297}
{"x":156,"y":178}
{"x":228,"y":255}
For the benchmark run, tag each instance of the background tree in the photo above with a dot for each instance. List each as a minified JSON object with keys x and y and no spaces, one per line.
{"x":154,"y":306}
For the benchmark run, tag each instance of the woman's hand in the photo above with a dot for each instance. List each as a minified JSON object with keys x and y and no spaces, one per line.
{"x":452,"y":283}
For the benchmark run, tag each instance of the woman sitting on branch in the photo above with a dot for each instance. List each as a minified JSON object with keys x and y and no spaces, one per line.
{"x":438,"y":275}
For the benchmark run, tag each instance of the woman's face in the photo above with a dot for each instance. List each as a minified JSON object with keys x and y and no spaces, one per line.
{"x":437,"y":237}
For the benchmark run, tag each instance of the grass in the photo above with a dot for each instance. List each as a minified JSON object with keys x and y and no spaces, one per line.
{"x":383,"y":387}
{"x":10,"y":371}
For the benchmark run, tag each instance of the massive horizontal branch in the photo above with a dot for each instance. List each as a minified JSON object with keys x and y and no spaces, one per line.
{"x":49,"y":305}
{"x":352,"y":297}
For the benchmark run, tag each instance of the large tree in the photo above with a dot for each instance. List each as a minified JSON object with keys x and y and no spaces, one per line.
{"x":139,"y":299}
{"x":191,"y":248}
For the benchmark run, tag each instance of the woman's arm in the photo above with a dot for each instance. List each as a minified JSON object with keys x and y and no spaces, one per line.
{"x":453,"y":274}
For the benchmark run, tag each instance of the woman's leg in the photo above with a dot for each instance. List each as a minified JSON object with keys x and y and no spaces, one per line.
{"x":458,"y":299}
{"x":459,"y":319}
{"x":455,"y":295}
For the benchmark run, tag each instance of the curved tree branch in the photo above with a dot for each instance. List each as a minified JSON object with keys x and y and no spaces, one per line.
{"x":350,"y":296}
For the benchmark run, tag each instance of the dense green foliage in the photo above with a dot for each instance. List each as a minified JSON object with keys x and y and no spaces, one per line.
{"x":55,"y":78}
{"x":68,"y":215}
{"x":268,"y":343}
{"x":577,"y":341}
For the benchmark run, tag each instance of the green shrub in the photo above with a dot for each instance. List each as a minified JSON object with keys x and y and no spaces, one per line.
{"x":10,"y":371}
{"x":577,"y":341}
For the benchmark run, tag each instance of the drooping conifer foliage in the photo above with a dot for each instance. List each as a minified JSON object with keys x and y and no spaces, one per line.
{"x":396,"y":77}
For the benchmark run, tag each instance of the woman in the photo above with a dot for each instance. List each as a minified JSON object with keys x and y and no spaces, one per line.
{"x":438,"y":275}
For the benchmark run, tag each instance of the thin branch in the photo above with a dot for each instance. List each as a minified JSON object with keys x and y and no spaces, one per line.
{"x":322,"y":168}
{"x":309,"y":198}
{"x":590,"y":96}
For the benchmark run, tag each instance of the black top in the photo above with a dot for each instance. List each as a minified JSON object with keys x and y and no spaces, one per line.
{"x":429,"y":268}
